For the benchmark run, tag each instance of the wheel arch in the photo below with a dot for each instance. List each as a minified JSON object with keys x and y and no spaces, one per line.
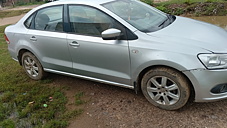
{"x":145,"y":70}
{"x":21,"y":52}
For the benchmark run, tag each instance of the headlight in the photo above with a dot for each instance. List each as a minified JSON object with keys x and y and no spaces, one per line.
{"x":214,"y":61}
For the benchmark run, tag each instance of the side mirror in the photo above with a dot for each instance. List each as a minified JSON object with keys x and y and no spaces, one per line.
{"x":111,"y":34}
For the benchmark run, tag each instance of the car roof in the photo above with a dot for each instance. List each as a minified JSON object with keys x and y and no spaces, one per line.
{"x":91,"y":2}
{"x":83,"y":2}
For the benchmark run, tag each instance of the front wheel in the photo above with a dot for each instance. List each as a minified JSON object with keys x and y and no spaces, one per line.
{"x":32,"y":66}
{"x":165,"y":88}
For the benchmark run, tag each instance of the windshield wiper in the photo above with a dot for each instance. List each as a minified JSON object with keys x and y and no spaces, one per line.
{"x":167,"y":19}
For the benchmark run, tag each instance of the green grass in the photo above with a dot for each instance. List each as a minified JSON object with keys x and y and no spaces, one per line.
{"x":78,"y":100}
{"x":4,"y":14}
{"x":2,"y":28}
{"x":194,"y":7}
{"x":149,"y":2}
{"x":22,"y":99}
{"x":21,"y":3}
{"x":71,"y":114}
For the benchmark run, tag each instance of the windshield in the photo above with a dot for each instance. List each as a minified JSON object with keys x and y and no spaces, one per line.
{"x":143,"y":17}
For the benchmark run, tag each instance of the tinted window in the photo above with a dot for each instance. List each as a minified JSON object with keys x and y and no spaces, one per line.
{"x":28,"y":22}
{"x":49,"y":19}
{"x":86,"y":20}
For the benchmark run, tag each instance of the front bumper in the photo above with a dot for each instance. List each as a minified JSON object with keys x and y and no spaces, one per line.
{"x":204,"y":80}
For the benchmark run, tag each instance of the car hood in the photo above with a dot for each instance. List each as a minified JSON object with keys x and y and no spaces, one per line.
{"x":193,"y":33}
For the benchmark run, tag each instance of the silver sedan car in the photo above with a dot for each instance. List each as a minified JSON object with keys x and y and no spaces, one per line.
{"x":125,"y":43}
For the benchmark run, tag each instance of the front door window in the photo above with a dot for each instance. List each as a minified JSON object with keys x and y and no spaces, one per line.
{"x":90,"y":21}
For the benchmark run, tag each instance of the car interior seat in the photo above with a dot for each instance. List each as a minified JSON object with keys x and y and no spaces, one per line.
{"x":42,"y":22}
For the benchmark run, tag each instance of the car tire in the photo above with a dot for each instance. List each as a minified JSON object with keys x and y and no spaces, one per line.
{"x":166,"y":88}
{"x":32,"y":66}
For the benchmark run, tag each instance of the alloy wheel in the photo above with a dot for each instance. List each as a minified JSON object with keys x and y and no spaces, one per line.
{"x":163,"y":90}
{"x":31,"y":67}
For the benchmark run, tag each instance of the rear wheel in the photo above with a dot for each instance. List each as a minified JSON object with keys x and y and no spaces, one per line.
{"x":32,"y":66}
{"x":166,"y":88}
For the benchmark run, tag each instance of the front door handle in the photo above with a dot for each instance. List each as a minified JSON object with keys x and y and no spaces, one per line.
{"x":74,"y":44}
{"x":33,"y":38}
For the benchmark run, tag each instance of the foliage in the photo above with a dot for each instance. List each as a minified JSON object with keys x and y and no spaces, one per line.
{"x":163,"y":8}
{"x":22,"y":3}
{"x":190,"y":7}
{"x":149,"y":2}
{"x":190,"y":1}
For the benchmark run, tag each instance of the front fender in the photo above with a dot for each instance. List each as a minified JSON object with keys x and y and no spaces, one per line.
{"x":149,"y":58}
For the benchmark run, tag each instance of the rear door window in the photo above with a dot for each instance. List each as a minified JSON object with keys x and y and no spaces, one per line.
{"x":49,"y":19}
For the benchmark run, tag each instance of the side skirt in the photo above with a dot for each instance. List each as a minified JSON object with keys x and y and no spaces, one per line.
{"x":90,"y":78}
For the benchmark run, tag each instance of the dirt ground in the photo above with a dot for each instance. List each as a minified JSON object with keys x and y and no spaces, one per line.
{"x":13,"y":20}
{"x":114,"y":107}
{"x":10,"y":20}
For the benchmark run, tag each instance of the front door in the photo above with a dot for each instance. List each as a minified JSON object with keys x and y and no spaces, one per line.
{"x":93,"y":57}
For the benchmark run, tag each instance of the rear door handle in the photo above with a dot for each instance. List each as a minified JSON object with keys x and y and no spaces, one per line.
{"x":33,"y":38}
{"x":74,"y":44}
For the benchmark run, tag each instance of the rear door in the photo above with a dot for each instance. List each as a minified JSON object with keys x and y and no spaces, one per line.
{"x":48,"y":40}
